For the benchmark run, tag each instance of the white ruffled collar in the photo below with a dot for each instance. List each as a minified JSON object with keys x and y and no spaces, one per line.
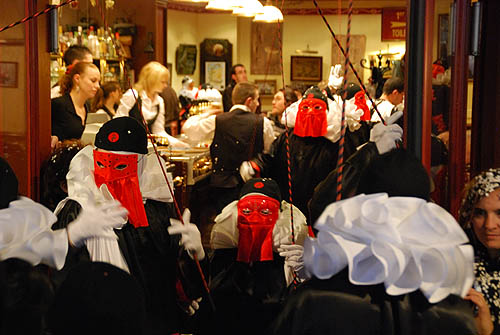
{"x":333,"y":117}
{"x":405,"y":243}
{"x":82,"y":187}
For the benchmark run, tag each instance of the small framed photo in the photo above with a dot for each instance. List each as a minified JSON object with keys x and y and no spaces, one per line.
{"x":8,"y":74}
{"x":306,"y":68}
{"x":266,"y":87}
{"x":215,"y":74}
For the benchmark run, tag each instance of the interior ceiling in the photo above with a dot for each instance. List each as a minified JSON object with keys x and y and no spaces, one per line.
{"x":322,"y":3}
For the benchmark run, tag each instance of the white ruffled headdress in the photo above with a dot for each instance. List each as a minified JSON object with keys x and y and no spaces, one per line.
{"x":333,"y":117}
{"x":405,"y":243}
{"x":83,"y":189}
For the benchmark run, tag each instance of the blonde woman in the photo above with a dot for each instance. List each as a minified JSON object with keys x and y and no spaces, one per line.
{"x":153,"y":79}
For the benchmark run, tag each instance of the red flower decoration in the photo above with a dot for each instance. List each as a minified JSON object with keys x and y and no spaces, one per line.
{"x":113,"y":137}
{"x":258,"y":184}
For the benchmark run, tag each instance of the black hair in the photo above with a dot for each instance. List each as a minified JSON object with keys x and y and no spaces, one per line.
{"x":233,"y":69}
{"x":392,"y":84}
{"x":75,"y":52}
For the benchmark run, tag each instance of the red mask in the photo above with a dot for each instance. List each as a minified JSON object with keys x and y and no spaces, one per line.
{"x":119,"y":173}
{"x":257,"y":215}
{"x":360,"y":102}
{"x":311,"y":118}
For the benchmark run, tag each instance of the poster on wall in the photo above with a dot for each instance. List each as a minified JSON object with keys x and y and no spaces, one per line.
{"x":185,"y":59}
{"x":393,"y":24}
{"x":215,"y":74}
{"x":306,"y":68}
{"x":216,"y":58}
{"x":356,"y":54}
{"x":8,"y":74}
{"x":265,"y":48}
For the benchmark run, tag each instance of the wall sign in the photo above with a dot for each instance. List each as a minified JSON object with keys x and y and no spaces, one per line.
{"x":394,"y":24}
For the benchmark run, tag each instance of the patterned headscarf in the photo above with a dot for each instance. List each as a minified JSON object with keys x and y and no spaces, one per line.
{"x":479,"y":187}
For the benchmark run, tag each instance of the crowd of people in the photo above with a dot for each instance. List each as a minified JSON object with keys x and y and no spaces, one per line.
{"x":108,"y":252}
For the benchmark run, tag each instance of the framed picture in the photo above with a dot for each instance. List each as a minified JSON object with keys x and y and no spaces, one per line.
{"x":443,"y":33}
{"x":265,"y":48}
{"x":185,"y":59}
{"x":306,"y":68}
{"x":169,"y":67}
{"x":8,"y":74}
{"x":266,"y":87}
{"x":214,"y":52}
{"x":215,"y":74}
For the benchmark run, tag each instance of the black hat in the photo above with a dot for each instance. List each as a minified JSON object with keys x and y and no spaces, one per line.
{"x":315,"y":93}
{"x":122,"y":134}
{"x":397,"y":173}
{"x":8,"y":184}
{"x":352,"y":89}
{"x":98,"y":298}
{"x":266,"y":186}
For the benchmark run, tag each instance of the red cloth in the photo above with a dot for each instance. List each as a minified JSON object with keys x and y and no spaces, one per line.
{"x":257,"y":215}
{"x":311,"y":118}
{"x":119,"y":173}
{"x":360,"y":102}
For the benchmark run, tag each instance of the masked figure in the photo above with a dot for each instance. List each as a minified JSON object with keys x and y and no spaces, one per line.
{"x":120,"y":168}
{"x":248,"y":277}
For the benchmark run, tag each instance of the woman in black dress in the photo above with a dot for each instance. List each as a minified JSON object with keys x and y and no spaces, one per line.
{"x":69,"y":111}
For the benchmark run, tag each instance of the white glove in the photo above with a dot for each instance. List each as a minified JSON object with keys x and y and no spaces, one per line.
{"x":193,"y":307}
{"x":335,"y":80}
{"x":246,"y":171}
{"x":294,"y":258}
{"x":97,"y":221}
{"x":385,"y":137}
{"x":190,"y":235}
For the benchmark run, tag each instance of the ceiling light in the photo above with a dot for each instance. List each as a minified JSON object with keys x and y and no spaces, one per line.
{"x":250,"y":9}
{"x":271,"y":14}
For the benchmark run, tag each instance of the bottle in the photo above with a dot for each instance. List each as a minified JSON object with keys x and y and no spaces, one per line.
{"x":93,"y":46}
{"x":103,"y":47}
{"x":79,"y":36}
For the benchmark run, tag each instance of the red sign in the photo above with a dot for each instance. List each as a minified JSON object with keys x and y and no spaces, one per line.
{"x":394,"y":24}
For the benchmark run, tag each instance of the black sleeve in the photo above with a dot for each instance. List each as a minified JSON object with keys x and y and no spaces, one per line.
{"x":265,"y":161}
{"x":227,"y":98}
{"x":57,"y":116}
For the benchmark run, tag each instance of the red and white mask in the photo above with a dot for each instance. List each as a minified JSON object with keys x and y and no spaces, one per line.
{"x":257,"y":215}
{"x":119,"y":173}
{"x":311,"y":117}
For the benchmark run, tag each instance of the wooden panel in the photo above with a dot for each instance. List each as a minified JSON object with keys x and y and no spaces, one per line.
{"x":161,"y":35}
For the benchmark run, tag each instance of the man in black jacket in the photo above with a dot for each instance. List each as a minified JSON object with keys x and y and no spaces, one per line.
{"x":238,"y":75}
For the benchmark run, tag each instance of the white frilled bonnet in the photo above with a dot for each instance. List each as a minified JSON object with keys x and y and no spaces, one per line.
{"x":405,"y":243}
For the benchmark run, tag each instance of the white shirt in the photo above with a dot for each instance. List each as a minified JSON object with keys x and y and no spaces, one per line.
{"x":201,"y":128}
{"x":385,"y":108}
{"x":55,"y":92}
{"x":148,"y":107}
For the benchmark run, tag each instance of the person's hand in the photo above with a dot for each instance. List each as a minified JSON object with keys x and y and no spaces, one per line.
{"x":246,"y":171}
{"x":97,"y":221}
{"x":335,"y":80}
{"x":445,"y":137}
{"x":385,"y":137}
{"x":483,"y":318}
{"x":294,"y":258}
{"x":190,"y":308}
{"x":190,"y":235}
{"x":53,"y":142}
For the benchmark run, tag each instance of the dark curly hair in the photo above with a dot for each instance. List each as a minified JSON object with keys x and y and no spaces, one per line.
{"x":53,"y":173}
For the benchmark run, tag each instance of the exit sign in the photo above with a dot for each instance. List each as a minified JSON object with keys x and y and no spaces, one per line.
{"x":394,"y":24}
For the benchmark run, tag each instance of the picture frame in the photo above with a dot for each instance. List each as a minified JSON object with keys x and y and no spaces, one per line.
{"x":266,"y":87}
{"x":185,"y":59}
{"x":8,"y":74}
{"x":265,"y":51}
{"x":306,"y":68}
{"x":215,"y":50}
{"x":443,"y":35}
{"x":215,"y":74}
{"x":169,"y":67}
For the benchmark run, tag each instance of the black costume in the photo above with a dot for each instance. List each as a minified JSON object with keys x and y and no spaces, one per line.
{"x":337,"y":307}
{"x":152,"y":256}
{"x":227,"y":96}
{"x":66,"y":124}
